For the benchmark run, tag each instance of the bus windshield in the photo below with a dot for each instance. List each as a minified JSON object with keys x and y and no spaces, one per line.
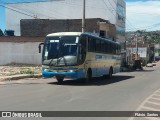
{"x":60,"y":51}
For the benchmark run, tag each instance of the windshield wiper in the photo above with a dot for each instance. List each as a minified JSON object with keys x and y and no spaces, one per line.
{"x":50,"y":62}
{"x":64,"y":60}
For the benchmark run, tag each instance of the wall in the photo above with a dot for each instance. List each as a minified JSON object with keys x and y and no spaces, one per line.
{"x":20,"y":50}
{"x":109,"y":29}
{"x":42,"y":27}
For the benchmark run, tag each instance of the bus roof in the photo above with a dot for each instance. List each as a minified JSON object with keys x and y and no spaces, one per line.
{"x":78,"y":34}
{"x":105,"y":39}
{"x":64,"y":34}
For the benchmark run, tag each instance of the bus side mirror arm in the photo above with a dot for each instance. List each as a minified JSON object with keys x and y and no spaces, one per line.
{"x":40,"y":47}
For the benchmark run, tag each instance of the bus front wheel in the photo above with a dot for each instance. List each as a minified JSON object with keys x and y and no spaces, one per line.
{"x":89,"y":76}
{"x":60,"y":79}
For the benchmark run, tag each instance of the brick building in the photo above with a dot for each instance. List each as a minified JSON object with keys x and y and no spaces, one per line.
{"x":42,"y":27}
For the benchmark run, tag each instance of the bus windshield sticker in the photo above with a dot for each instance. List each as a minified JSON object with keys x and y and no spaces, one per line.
{"x":77,"y":38}
{"x":68,"y":44}
{"x":46,"y":54}
{"x":52,"y":41}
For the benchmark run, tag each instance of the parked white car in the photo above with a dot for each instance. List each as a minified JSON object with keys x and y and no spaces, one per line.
{"x":149,"y":65}
{"x":154,"y":64}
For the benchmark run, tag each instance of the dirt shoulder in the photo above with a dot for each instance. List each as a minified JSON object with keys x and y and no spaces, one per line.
{"x":16,"y":71}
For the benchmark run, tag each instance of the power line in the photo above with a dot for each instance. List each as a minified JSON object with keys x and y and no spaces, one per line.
{"x":109,"y":8}
{"x":17,"y":11}
{"x":25,"y":12}
{"x":29,"y":1}
{"x":35,"y":16}
{"x":129,"y":24}
{"x":113,"y":9}
{"x":147,"y":27}
{"x":48,"y":11}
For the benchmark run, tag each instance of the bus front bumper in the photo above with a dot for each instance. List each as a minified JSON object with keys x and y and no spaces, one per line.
{"x":48,"y":74}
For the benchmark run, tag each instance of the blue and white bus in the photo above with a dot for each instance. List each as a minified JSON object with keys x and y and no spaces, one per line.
{"x":79,"y":55}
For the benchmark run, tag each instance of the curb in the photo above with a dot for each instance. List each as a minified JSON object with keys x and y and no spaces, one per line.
{"x":17,"y":77}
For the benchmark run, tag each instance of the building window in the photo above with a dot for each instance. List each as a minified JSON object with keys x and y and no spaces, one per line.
{"x":121,"y":10}
{"x":102,"y":33}
{"x":120,"y":30}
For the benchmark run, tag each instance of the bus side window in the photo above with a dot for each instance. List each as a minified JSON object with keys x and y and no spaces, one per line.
{"x":109,"y":48}
{"x":102,"y":46}
{"x":106,"y":48}
{"x":117,"y":49}
{"x":98,"y":46}
{"x":114,"y":48}
{"x":82,"y":49}
{"x":83,"y":42}
{"x":91,"y":44}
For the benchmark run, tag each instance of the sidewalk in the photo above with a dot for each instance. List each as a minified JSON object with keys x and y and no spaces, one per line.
{"x":19,"y":71}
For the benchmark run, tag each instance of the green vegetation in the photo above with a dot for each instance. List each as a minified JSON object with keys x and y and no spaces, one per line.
{"x":27,"y":71}
{"x":148,"y":37}
{"x":157,"y":51}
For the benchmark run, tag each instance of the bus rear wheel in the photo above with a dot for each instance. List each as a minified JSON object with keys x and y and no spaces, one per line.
{"x":60,"y":79}
{"x":110,"y":75}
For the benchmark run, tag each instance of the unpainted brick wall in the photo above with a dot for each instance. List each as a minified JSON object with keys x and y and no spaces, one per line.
{"x":42,"y":27}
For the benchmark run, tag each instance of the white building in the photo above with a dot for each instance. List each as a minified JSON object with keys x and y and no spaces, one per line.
{"x":112,"y":10}
{"x":157,"y":48}
{"x":142,"y":51}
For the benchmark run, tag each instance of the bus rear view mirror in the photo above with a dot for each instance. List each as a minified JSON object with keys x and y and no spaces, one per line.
{"x":40,"y":47}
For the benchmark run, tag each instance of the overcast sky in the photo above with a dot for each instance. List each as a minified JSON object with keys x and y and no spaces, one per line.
{"x":140,"y":14}
{"x":143,"y":14}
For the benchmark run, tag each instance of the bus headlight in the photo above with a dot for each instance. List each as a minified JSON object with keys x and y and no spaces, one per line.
{"x":46,"y":70}
{"x":71,"y":70}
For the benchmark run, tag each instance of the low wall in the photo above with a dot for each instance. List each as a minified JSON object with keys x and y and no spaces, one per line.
{"x":21,"y":50}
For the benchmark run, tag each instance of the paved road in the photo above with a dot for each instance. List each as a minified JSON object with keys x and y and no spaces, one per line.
{"x":127,"y":91}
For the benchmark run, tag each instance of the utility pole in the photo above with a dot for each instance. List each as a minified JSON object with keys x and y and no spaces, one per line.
{"x":84,"y":12}
{"x":136,"y":47}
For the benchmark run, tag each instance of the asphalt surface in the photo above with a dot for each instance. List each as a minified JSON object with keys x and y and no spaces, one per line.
{"x":126,"y":91}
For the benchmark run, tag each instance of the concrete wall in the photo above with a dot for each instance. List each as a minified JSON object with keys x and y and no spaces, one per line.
{"x":20,"y":50}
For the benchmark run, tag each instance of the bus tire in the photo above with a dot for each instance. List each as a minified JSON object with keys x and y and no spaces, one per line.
{"x":88,"y":76}
{"x":110,"y":75}
{"x":60,"y":79}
